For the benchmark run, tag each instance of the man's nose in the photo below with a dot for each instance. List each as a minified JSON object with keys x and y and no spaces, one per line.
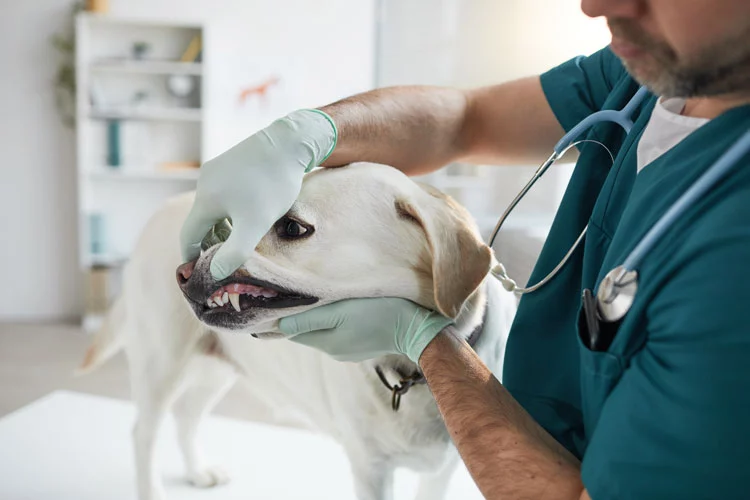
{"x":184,"y":272}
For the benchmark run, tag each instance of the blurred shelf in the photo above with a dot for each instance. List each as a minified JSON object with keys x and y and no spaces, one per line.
{"x":107,"y":260}
{"x":163,"y":114}
{"x":140,"y":174}
{"x":138,"y":22}
{"x":148,"y":67}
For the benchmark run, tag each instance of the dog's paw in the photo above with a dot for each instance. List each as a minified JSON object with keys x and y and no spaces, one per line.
{"x":208,"y":477}
{"x":156,"y":493}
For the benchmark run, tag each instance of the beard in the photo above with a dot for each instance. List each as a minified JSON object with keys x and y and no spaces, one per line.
{"x":722,"y":67}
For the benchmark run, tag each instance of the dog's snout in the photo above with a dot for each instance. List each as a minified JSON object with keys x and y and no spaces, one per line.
{"x":184,"y":272}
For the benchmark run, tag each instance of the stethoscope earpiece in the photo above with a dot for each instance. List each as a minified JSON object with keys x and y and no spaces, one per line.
{"x":499,"y":272}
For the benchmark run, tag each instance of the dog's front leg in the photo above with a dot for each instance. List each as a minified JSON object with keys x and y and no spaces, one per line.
{"x":434,"y":485}
{"x":373,"y":476}
{"x":153,"y":393}
{"x":210,"y":382}
{"x":150,"y":417}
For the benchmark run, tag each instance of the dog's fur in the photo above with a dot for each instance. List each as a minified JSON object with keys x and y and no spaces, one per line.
{"x":372,"y":232}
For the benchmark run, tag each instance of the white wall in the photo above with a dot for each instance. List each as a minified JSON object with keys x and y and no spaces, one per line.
{"x":329,"y":45}
{"x":37,"y":187}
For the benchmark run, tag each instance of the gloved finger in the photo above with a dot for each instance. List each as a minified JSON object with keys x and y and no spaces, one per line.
{"x":320,"y":318}
{"x":199,"y":221}
{"x":235,"y":251}
{"x":314,"y":339}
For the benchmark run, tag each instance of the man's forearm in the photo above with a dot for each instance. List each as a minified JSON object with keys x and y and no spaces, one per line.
{"x":507,"y":453}
{"x":416,"y":129}
{"x":419,"y":129}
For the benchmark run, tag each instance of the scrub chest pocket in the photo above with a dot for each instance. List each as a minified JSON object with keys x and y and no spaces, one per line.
{"x":600,"y":372}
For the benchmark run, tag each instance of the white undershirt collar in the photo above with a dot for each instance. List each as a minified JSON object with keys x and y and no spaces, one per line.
{"x":666,"y":128}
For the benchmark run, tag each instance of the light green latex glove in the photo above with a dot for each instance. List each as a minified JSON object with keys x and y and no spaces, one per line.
{"x":359,"y":329}
{"x":255,"y":183}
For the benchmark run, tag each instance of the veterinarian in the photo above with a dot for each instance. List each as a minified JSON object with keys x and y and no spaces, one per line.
{"x":664,"y":412}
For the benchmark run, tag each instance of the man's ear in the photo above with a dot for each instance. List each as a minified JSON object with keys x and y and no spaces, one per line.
{"x":460,"y":259}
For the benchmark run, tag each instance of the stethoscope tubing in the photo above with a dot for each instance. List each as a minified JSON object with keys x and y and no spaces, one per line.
{"x":623,"y":118}
{"x":499,"y":270}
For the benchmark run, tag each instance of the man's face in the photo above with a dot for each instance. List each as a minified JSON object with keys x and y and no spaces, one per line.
{"x":681,"y":48}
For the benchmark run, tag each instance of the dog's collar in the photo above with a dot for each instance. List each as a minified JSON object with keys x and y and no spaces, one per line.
{"x":406,"y":381}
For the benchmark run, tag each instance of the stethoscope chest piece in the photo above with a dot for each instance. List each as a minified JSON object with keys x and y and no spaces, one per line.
{"x":616,"y":293}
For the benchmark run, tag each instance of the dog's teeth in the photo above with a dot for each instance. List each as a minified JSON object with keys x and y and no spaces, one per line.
{"x":219,"y":300}
{"x":209,"y":302}
{"x":234,"y":298}
{"x":225,"y":298}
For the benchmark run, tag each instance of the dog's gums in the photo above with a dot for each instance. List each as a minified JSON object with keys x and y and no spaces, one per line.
{"x":241,"y":293}
{"x":230,"y":294}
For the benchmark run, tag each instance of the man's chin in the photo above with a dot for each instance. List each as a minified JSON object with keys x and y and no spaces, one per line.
{"x":646,"y":71}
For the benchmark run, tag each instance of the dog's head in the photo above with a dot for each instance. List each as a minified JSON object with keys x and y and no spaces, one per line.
{"x":360,"y":231}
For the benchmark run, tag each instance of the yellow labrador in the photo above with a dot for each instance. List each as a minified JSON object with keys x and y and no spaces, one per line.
{"x":360,"y":231}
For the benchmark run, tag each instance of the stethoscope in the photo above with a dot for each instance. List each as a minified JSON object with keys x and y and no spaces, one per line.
{"x":618,"y":288}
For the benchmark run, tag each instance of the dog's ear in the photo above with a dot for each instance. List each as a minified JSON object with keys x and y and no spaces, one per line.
{"x":460,"y":259}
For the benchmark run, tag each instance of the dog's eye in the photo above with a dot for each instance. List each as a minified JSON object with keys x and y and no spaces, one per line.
{"x":293,"y":229}
{"x":288,"y":228}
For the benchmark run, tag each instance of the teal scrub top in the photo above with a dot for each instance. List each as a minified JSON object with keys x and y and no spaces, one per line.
{"x":665,"y":412}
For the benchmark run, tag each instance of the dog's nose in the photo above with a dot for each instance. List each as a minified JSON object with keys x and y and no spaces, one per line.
{"x":184,"y":272}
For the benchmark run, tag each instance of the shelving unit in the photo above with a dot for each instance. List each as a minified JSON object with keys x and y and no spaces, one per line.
{"x":146,"y":67}
{"x":130,"y":123}
{"x":188,"y":115}
{"x":133,"y":173}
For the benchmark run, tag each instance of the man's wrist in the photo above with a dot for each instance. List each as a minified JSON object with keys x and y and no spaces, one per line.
{"x":335,"y":129}
{"x":310,"y":135}
{"x":424,"y":326}
{"x":431,"y":348}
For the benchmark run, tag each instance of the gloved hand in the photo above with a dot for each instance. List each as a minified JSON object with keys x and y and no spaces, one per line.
{"x":359,"y":329}
{"x":254,"y":183}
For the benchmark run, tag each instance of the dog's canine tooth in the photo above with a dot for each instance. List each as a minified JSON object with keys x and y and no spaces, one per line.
{"x":234,"y":298}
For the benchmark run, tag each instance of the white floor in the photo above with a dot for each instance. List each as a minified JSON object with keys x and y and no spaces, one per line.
{"x":73,"y":446}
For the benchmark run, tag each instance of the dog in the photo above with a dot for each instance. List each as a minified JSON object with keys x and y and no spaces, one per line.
{"x":364,"y":230}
